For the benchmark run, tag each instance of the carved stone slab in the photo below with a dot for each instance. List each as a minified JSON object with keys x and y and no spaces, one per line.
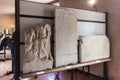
{"x":93,"y":48}
{"x":65,"y":37}
{"x":37,"y":49}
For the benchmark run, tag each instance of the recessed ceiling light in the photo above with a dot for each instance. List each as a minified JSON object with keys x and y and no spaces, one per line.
{"x":41,"y":1}
{"x":92,"y":2}
{"x":57,"y":4}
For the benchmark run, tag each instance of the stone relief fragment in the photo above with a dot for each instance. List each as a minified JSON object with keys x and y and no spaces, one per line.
{"x":93,"y":48}
{"x":37,"y":49}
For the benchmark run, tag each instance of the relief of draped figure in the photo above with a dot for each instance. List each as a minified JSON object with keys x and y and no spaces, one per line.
{"x":37,"y":43}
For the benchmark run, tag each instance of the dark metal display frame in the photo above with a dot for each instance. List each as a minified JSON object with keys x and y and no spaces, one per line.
{"x":18,"y":74}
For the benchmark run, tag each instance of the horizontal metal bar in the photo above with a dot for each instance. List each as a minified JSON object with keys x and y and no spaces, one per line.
{"x":23,"y":43}
{"x":33,"y":16}
{"x":52,"y":18}
{"x":91,"y":21}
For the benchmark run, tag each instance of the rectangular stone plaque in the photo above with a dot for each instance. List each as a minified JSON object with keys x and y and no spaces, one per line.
{"x":65,"y":37}
{"x":93,"y":48}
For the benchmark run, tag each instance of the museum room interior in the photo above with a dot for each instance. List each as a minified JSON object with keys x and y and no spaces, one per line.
{"x":59,"y":40}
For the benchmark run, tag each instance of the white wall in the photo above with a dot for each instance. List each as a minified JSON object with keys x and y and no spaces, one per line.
{"x":6,"y":21}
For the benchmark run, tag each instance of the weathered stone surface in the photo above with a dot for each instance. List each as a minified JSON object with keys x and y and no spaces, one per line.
{"x":37,"y":49}
{"x":93,"y":48}
{"x":65,"y":37}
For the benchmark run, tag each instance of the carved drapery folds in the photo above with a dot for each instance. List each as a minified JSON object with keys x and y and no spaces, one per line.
{"x":37,"y":47}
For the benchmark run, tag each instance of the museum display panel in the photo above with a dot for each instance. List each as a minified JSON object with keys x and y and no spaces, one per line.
{"x":58,"y":44}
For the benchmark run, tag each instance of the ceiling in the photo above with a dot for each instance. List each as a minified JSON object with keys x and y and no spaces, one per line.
{"x":41,"y":1}
{"x":52,"y":2}
{"x":7,"y":6}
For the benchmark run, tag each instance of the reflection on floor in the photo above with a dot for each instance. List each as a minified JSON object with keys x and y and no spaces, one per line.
{"x":66,"y":75}
{"x":5,"y":66}
{"x":62,"y":76}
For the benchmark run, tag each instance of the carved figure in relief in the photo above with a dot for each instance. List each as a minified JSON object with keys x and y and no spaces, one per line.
{"x":37,"y":43}
{"x":29,"y":38}
{"x":44,"y":42}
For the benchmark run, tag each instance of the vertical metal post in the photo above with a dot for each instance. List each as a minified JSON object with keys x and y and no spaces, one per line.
{"x":83,"y":68}
{"x":72,"y":74}
{"x":105,"y":64}
{"x":57,"y":76}
{"x":105,"y":71}
{"x":4,"y":54}
{"x":17,"y":40}
{"x":106,"y":23}
{"x":88,"y":69}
